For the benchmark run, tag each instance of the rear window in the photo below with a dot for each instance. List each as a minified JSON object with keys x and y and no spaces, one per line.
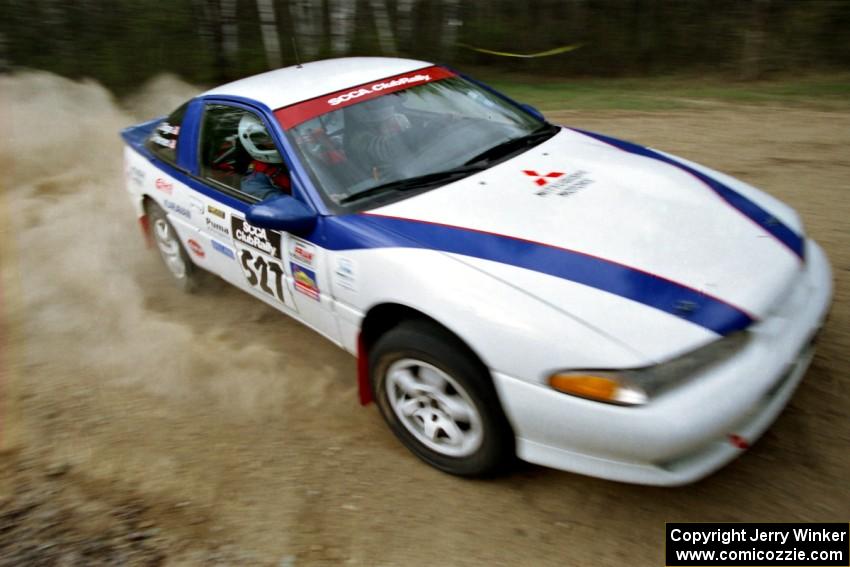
{"x":163,"y":140}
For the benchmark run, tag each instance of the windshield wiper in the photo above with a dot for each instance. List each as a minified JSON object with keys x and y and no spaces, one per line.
{"x":511,"y":145}
{"x":435,"y":178}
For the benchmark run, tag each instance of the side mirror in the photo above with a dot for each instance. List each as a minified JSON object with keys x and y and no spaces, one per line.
{"x":532,"y":111}
{"x":282,"y":213}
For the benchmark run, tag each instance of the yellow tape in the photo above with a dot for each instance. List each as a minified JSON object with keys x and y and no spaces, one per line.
{"x":556,"y":51}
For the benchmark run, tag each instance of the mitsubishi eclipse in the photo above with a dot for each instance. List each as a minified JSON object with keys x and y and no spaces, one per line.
{"x":510,"y":287}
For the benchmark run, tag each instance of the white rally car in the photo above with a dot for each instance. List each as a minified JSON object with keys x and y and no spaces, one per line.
{"x":510,"y":287}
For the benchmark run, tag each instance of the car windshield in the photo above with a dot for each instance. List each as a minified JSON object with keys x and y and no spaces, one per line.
{"x":410,"y":140}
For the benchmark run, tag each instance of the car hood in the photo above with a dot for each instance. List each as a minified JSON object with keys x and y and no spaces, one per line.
{"x":619,"y":219}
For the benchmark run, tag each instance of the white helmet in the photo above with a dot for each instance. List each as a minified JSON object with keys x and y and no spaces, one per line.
{"x":256,"y":140}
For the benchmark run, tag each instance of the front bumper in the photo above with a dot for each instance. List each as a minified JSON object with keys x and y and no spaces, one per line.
{"x":683,"y":435}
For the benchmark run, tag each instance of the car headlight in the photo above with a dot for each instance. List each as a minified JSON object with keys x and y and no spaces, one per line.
{"x":636,"y":386}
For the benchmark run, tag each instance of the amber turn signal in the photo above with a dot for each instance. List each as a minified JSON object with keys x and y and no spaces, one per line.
{"x":597,"y":387}
{"x":587,"y":386}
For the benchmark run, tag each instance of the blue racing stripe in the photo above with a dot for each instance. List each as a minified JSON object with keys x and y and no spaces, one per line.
{"x":793,"y":241}
{"x":359,"y":231}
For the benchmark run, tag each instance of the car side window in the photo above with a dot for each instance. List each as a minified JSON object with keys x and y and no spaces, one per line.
{"x":163,"y":140}
{"x":238,"y":152}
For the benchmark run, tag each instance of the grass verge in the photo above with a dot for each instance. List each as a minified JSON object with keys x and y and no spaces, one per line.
{"x":830,"y":92}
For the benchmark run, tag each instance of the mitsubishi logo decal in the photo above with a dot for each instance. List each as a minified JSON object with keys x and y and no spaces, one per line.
{"x":544,"y":178}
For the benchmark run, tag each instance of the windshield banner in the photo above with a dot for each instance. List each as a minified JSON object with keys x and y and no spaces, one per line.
{"x":291,"y":116}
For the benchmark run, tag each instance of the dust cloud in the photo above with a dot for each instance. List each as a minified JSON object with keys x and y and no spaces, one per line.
{"x":85,"y":296}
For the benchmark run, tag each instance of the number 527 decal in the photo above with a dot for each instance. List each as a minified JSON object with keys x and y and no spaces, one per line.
{"x":258,"y":252}
{"x":263,"y":273}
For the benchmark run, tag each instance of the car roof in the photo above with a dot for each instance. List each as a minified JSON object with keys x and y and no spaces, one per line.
{"x":289,"y":85}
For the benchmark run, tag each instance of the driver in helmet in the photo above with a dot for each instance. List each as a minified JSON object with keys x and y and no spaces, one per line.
{"x":377,"y":144}
{"x":267,"y":176}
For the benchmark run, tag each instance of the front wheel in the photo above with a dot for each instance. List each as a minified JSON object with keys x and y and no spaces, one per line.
{"x":439,"y":401}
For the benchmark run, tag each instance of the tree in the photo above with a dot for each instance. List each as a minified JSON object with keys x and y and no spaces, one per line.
{"x":268,"y":30}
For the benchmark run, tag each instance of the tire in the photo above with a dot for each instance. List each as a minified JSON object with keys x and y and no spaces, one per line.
{"x":439,"y":400}
{"x":184,"y":273}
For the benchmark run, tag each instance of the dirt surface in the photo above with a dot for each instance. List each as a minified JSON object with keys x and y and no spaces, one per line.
{"x":147,"y":427}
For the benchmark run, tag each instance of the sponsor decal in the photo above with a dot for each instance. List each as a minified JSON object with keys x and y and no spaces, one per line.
{"x":543,"y":179}
{"x":164,"y":185}
{"x":170,"y":144}
{"x":559,"y":183}
{"x":259,"y":238}
{"x":258,"y":250}
{"x":179,"y":209}
{"x":135,"y":175}
{"x":196,"y":204}
{"x":217,"y":226}
{"x":302,"y":252}
{"x":293,"y":115}
{"x":216,"y":212}
{"x":377,"y":87}
{"x":305,"y":281}
{"x":344,"y":274}
{"x":167,"y":128}
{"x":196,"y":248}
{"x":222,"y":249}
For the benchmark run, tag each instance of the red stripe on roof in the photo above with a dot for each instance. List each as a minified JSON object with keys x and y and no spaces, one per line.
{"x":295,"y":114}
